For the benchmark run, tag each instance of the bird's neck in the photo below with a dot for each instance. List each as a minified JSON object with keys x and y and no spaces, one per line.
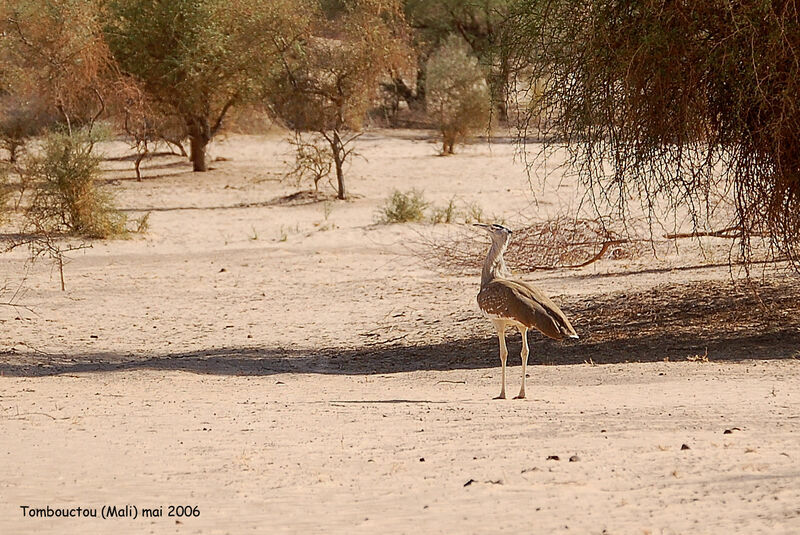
{"x":495,"y":266}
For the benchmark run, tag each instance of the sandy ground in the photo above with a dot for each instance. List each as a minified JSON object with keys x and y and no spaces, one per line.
{"x":283,"y":365}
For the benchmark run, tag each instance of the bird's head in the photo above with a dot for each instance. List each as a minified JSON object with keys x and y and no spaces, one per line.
{"x":499,"y":233}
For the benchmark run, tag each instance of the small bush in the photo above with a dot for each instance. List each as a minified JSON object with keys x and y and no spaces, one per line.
{"x":66,"y":197}
{"x":445,"y":214}
{"x":457,"y":93}
{"x":142,"y":223}
{"x":408,"y":207}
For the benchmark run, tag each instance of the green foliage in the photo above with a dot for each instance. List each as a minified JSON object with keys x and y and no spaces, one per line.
{"x":66,"y":197}
{"x":676,"y":104}
{"x":458,"y":97}
{"x":403,"y":207}
{"x":435,"y":20}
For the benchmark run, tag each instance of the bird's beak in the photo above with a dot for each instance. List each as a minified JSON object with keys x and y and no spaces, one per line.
{"x":482,"y":225}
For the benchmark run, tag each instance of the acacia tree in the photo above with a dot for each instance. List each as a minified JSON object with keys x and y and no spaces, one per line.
{"x":457,"y":95}
{"x":678,"y":101}
{"x":197,"y":58}
{"x":328,"y":81}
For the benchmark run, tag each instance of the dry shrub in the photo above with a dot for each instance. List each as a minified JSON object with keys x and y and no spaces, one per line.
{"x":556,"y":243}
{"x":66,"y":198}
{"x":313,"y":159}
{"x":566,"y":242}
{"x":457,"y":94}
{"x":672,"y":103}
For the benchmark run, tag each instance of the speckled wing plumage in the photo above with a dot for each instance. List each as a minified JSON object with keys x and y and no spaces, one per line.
{"x":524,"y":303}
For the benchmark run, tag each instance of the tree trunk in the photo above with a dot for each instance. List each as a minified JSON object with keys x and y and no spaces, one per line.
{"x":448,"y":140}
{"x":421,"y":98}
{"x":174,"y":142}
{"x":198,"y":145}
{"x":13,"y":148}
{"x":499,"y":83}
{"x":136,"y":164}
{"x":415,"y":98}
{"x":338,"y":160}
{"x":199,"y":136}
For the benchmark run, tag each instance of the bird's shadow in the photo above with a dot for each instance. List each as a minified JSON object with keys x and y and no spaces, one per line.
{"x":471,"y":353}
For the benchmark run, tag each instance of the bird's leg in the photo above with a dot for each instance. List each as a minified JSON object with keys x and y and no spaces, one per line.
{"x":524,"y":355}
{"x":501,"y":335}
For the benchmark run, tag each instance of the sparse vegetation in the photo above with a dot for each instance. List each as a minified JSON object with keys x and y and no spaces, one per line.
{"x":684,"y":110}
{"x":474,"y":214}
{"x":411,"y":206}
{"x":446,"y":214}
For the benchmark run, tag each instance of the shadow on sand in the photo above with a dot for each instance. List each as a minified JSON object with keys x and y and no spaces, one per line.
{"x":460,"y":354}
{"x":722,"y":322}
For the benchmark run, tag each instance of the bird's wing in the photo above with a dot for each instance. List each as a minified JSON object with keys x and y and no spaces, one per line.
{"x":534,"y":309}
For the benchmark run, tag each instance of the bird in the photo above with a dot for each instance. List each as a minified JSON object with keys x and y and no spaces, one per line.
{"x":510,"y":302}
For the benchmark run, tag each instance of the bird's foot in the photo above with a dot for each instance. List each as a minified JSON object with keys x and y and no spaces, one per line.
{"x":501,"y":396}
{"x":520,"y":396}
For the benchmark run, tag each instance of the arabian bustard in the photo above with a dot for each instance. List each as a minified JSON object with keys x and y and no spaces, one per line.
{"x":511,"y":302}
